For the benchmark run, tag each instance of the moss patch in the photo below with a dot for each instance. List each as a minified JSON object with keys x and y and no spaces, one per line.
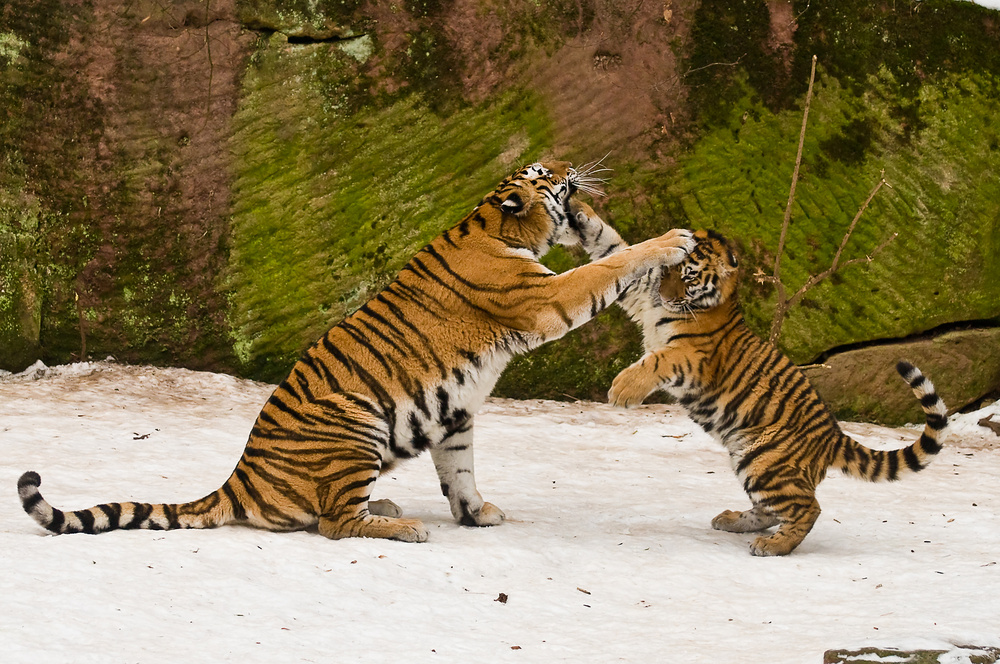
{"x":940,"y":268}
{"x":333,"y":195}
{"x":40,"y":174}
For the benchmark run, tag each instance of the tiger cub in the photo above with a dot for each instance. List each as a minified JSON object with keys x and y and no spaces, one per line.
{"x":405,"y":373}
{"x":780,"y":436}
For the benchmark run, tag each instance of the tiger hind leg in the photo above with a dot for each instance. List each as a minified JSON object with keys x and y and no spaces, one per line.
{"x":750,"y":521}
{"x":369,"y":525}
{"x":796,"y":511}
{"x":346,"y":446}
{"x":346,"y":511}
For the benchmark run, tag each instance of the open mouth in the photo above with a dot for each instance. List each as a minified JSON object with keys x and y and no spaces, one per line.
{"x":571,"y":189}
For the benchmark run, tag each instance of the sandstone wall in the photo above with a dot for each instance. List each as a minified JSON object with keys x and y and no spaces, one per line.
{"x":213,"y":183}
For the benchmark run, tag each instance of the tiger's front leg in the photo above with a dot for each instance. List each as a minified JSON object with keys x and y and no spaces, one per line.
{"x":600,"y":240}
{"x":562,"y":302}
{"x":651,"y":372}
{"x":453,"y":459}
{"x":748,"y":521}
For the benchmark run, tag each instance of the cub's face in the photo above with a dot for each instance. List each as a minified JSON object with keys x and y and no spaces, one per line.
{"x":704,"y":280}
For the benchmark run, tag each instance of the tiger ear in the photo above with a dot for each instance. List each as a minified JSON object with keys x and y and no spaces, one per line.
{"x":513,"y":204}
{"x":733,"y":262}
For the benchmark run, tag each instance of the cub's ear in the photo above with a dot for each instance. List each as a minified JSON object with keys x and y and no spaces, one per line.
{"x":513,"y":204}
{"x":733,"y":262}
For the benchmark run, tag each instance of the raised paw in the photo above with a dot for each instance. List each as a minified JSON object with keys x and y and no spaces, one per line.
{"x":384,"y":507}
{"x":680,"y":242}
{"x":629,"y":387}
{"x":488,"y":515}
{"x":727,"y":521}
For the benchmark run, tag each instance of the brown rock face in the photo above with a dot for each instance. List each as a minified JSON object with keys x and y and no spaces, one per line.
{"x":863,"y":384}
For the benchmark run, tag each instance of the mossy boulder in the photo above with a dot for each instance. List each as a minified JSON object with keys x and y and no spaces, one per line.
{"x":863,"y":385}
{"x":942,"y":265}
{"x":332,"y":195}
{"x":971,"y":654}
{"x":114,"y":118}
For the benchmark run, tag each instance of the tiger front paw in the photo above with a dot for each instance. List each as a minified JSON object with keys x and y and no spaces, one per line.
{"x":629,"y":387}
{"x":487,"y":515}
{"x":676,"y":245}
{"x":774,"y":545}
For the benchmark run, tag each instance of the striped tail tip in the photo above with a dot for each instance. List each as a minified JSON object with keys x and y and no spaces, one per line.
{"x":29,"y":479}
{"x":33,"y":503}
{"x":935,"y":411}
{"x":910,"y":373}
{"x":923,"y":389}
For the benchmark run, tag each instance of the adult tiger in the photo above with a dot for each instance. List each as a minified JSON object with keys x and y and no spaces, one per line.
{"x":780,"y":435}
{"x":404,"y":373}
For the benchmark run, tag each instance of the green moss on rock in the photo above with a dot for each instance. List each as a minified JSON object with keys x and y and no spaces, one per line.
{"x":332,"y":195}
{"x":945,"y":181}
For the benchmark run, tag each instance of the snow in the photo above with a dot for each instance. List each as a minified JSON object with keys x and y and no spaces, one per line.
{"x":607,"y":553}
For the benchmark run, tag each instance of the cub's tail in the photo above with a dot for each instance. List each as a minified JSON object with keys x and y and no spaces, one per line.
{"x":212,"y":510}
{"x":864,"y":463}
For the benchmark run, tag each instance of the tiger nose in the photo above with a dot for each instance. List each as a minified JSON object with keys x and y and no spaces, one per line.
{"x":560,"y":168}
{"x":671,"y":286}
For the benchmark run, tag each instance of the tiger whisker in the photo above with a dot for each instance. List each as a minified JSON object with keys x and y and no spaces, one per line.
{"x":594,"y":167}
{"x":588,"y":169}
{"x":589,"y":188}
{"x":594,"y":164}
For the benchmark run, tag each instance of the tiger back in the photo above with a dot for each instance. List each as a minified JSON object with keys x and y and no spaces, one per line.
{"x":780,"y":435}
{"x":403,"y":374}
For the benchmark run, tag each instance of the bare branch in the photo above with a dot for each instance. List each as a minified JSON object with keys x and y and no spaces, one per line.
{"x":781,"y":306}
{"x":784,"y":303}
{"x":762,"y":277}
{"x":713,"y":64}
{"x":795,"y":174}
{"x":854,"y":222}
{"x":816,"y":278}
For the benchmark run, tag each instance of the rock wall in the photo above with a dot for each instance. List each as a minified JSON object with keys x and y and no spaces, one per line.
{"x":115,"y":183}
{"x":212,"y":183}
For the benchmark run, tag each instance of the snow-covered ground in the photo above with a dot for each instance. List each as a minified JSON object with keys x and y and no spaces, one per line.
{"x":607,"y":554}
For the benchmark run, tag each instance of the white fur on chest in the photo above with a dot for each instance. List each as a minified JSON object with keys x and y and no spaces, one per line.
{"x":419,"y":427}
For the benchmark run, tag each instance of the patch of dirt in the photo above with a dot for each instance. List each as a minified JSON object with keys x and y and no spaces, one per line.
{"x":614,"y":87}
{"x":475,"y":32}
{"x":393,"y":26}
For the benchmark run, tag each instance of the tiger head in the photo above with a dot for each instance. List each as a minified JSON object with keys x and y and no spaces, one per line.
{"x":707,"y":278}
{"x":532,"y":207}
